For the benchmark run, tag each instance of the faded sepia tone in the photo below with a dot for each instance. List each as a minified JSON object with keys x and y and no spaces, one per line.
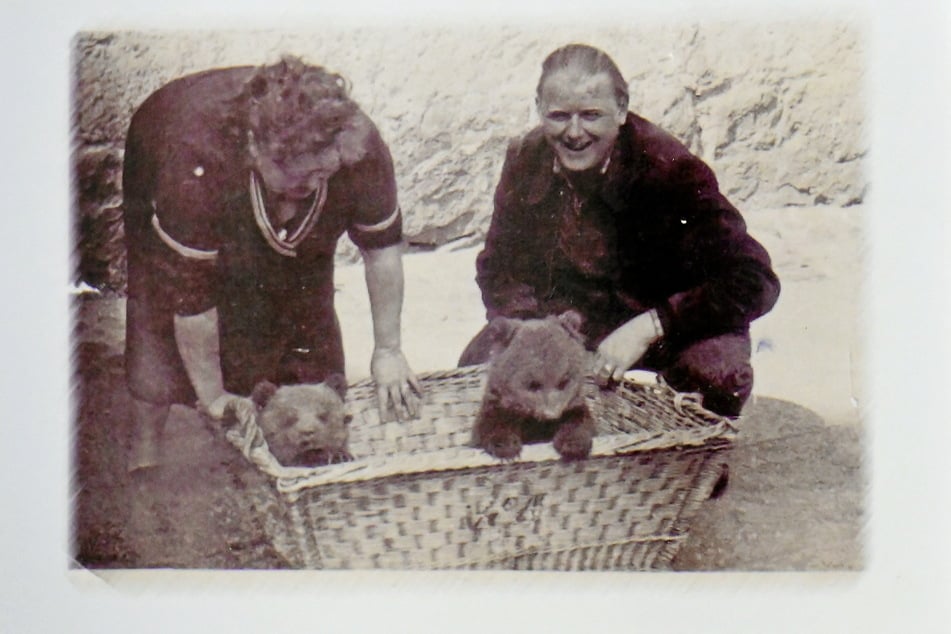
{"x":775,"y":109}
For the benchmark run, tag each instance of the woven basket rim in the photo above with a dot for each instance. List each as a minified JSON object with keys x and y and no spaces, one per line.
{"x":710,"y":429}
{"x":462,"y":458}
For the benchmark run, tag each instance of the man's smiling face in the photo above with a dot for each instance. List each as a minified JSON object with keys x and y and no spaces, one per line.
{"x":580,"y":117}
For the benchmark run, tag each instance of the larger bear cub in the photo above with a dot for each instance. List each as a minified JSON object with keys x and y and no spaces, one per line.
{"x":534,"y":388}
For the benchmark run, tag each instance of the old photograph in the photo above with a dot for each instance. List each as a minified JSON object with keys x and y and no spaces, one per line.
{"x":499,"y":297}
{"x":475,"y":316}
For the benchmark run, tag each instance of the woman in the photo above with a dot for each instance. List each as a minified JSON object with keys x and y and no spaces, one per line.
{"x":237,"y":184}
{"x":600,"y":211}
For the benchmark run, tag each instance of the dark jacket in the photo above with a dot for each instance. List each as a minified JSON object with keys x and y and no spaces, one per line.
{"x":652,"y":231}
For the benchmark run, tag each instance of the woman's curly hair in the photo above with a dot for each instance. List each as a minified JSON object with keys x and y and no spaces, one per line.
{"x":293,"y":108}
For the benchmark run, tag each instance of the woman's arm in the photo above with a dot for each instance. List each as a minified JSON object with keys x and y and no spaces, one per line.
{"x":198,"y":342}
{"x":397,"y":386}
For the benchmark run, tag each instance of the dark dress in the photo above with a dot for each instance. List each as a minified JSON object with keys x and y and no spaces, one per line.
{"x":194,"y":243}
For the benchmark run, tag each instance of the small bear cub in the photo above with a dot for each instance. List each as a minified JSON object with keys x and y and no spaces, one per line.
{"x":534,"y":381}
{"x":304,"y":425}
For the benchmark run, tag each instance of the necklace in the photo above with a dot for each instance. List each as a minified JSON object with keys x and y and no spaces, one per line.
{"x":279,"y":240}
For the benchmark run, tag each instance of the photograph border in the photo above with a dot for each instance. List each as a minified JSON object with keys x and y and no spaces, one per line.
{"x":907,"y":573}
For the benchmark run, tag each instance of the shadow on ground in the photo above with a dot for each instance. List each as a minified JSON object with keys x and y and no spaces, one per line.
{"x":794,"y":501}
{"x":193,"y":512}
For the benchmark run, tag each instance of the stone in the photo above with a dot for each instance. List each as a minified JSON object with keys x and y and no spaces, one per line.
{"x":775,"y":108}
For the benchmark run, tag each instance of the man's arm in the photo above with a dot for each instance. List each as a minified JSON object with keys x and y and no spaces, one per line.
{"x":396,"y":383}
{"x":500,"y":266}
{"x":625,"y":345}
{"x":738,"y":282}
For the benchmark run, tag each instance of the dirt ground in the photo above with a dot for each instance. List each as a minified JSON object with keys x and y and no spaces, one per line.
{"x":796,"y":494}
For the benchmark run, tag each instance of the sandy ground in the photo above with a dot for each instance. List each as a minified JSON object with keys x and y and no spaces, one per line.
{"x":795,"y":500}
{"x":806,"y":350}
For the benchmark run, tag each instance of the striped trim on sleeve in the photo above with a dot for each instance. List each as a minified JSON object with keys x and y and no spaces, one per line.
{"x":383,"y":225}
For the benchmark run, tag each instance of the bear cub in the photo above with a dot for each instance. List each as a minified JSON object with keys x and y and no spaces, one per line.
{"x":305,"y":424}
{"x":534,"y":388}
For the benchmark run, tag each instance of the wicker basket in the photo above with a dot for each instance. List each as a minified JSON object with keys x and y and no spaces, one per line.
{"x":418,"y":497}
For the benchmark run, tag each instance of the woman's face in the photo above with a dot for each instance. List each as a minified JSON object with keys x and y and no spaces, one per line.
{"x":290,"y":182}
{"x":580,"y":117}
{"x":292,"y":179}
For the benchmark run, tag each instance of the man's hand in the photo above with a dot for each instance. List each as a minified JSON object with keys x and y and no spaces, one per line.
{"x":397,"y":388}
{"x":623,"y":347}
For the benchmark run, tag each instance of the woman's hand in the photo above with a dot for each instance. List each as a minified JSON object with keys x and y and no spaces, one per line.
{"x":622,"y":348}
{"x":397,"y":388}
{"x":216,"y":408}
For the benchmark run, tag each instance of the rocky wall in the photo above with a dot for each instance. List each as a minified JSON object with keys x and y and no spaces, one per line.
{"x":775,"y":108}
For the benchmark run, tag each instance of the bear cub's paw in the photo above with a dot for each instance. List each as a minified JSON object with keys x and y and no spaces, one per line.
{"x":503,"y":443}
{"x":573,"y":442}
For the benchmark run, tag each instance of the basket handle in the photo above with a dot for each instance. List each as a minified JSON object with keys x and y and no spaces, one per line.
{"x":655,"y":380}
{"x":644,"y":377}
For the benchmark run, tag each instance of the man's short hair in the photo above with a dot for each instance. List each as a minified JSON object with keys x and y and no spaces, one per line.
{"x":587,"y":59}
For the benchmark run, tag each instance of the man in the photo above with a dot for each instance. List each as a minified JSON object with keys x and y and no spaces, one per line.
{"x":600,"y":211}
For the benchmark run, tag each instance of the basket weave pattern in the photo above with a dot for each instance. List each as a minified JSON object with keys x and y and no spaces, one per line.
{"x":417,"y":496}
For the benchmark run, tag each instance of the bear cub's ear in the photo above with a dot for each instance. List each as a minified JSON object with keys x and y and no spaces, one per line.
{"x":572,"y":321}
{"x":263,"y":392}
{"x":338,"y":383}
{"x":501,"y":331}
